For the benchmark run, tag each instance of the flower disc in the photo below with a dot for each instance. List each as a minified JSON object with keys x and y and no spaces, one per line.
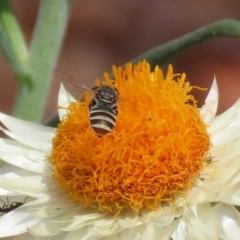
{"x":155,"y":151}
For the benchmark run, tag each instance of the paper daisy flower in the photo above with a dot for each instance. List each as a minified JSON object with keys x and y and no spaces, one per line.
{"x":164,"y":169}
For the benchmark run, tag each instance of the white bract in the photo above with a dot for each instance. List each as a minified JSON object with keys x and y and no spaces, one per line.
{"x":48,"y":213}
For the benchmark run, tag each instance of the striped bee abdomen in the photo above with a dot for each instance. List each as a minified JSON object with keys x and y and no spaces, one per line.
{"x":103,"y":109}
{"x":103,"y":118}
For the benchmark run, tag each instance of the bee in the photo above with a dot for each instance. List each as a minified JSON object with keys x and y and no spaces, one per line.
{"x":6,"y":208}
{"x":103,"y":109}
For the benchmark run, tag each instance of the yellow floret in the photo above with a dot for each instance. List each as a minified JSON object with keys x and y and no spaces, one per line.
{"x":156,"y":149}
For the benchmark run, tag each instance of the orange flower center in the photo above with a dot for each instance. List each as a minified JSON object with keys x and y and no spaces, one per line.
{"x":155,"y":150}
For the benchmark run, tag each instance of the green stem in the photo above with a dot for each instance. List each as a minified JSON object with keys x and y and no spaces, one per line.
{"x":165,"y":52}
{"x":44,"y":50}
{"x":12,"y":41}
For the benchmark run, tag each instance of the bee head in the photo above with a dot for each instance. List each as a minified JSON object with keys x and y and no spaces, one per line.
{"x":106,"y":93}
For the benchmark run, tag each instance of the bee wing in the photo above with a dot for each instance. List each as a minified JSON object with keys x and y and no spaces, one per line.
{"x":73,"y":86}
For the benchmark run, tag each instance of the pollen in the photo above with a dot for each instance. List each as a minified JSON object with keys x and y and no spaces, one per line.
{"x":155,"y":151}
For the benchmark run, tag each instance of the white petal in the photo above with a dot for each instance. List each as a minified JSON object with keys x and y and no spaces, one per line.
{"x":209,"y":109}
{"x":24,"y":236}
{"x":13,"y":197}
{"x":85,"y":233}
{"x":227,"y":175}
{"x":64,"y":100}
{"x":230,"y":221}
{"x":85,"y":219}
{"x":4,"y":192}
{"x":27,"y":129}
{"x":233,"y":198}
{"x":229,"y":133}
{"x":109,"y":228}
{"x":47,"y":227}
{"x":11,"y":172}
{"x":58,"y":208}
{"x":222,"y":120}
{"x":27,"y":236}
{"x":202,"y":222}
{"x":164,"y":221}
{"x":181,"y":231}
{"x":195,"y":196}
{"x":22,"y":162}
{"x":11,"y":146}
{"x":129,"y":233}
{"x":22,"y":157}
{"x":29,"y":186}
{"x":44,"y":146}
{"x":148,"y":231}
{"x":66,"y":220}
{"x":15,"y":222}
{"x":129,"y":224}
{"x":152,"y":231}
{"x":225,"y":151}
{"x":49,"y":205}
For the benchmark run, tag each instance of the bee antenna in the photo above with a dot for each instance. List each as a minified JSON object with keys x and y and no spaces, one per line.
{"x":85,"y":87}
